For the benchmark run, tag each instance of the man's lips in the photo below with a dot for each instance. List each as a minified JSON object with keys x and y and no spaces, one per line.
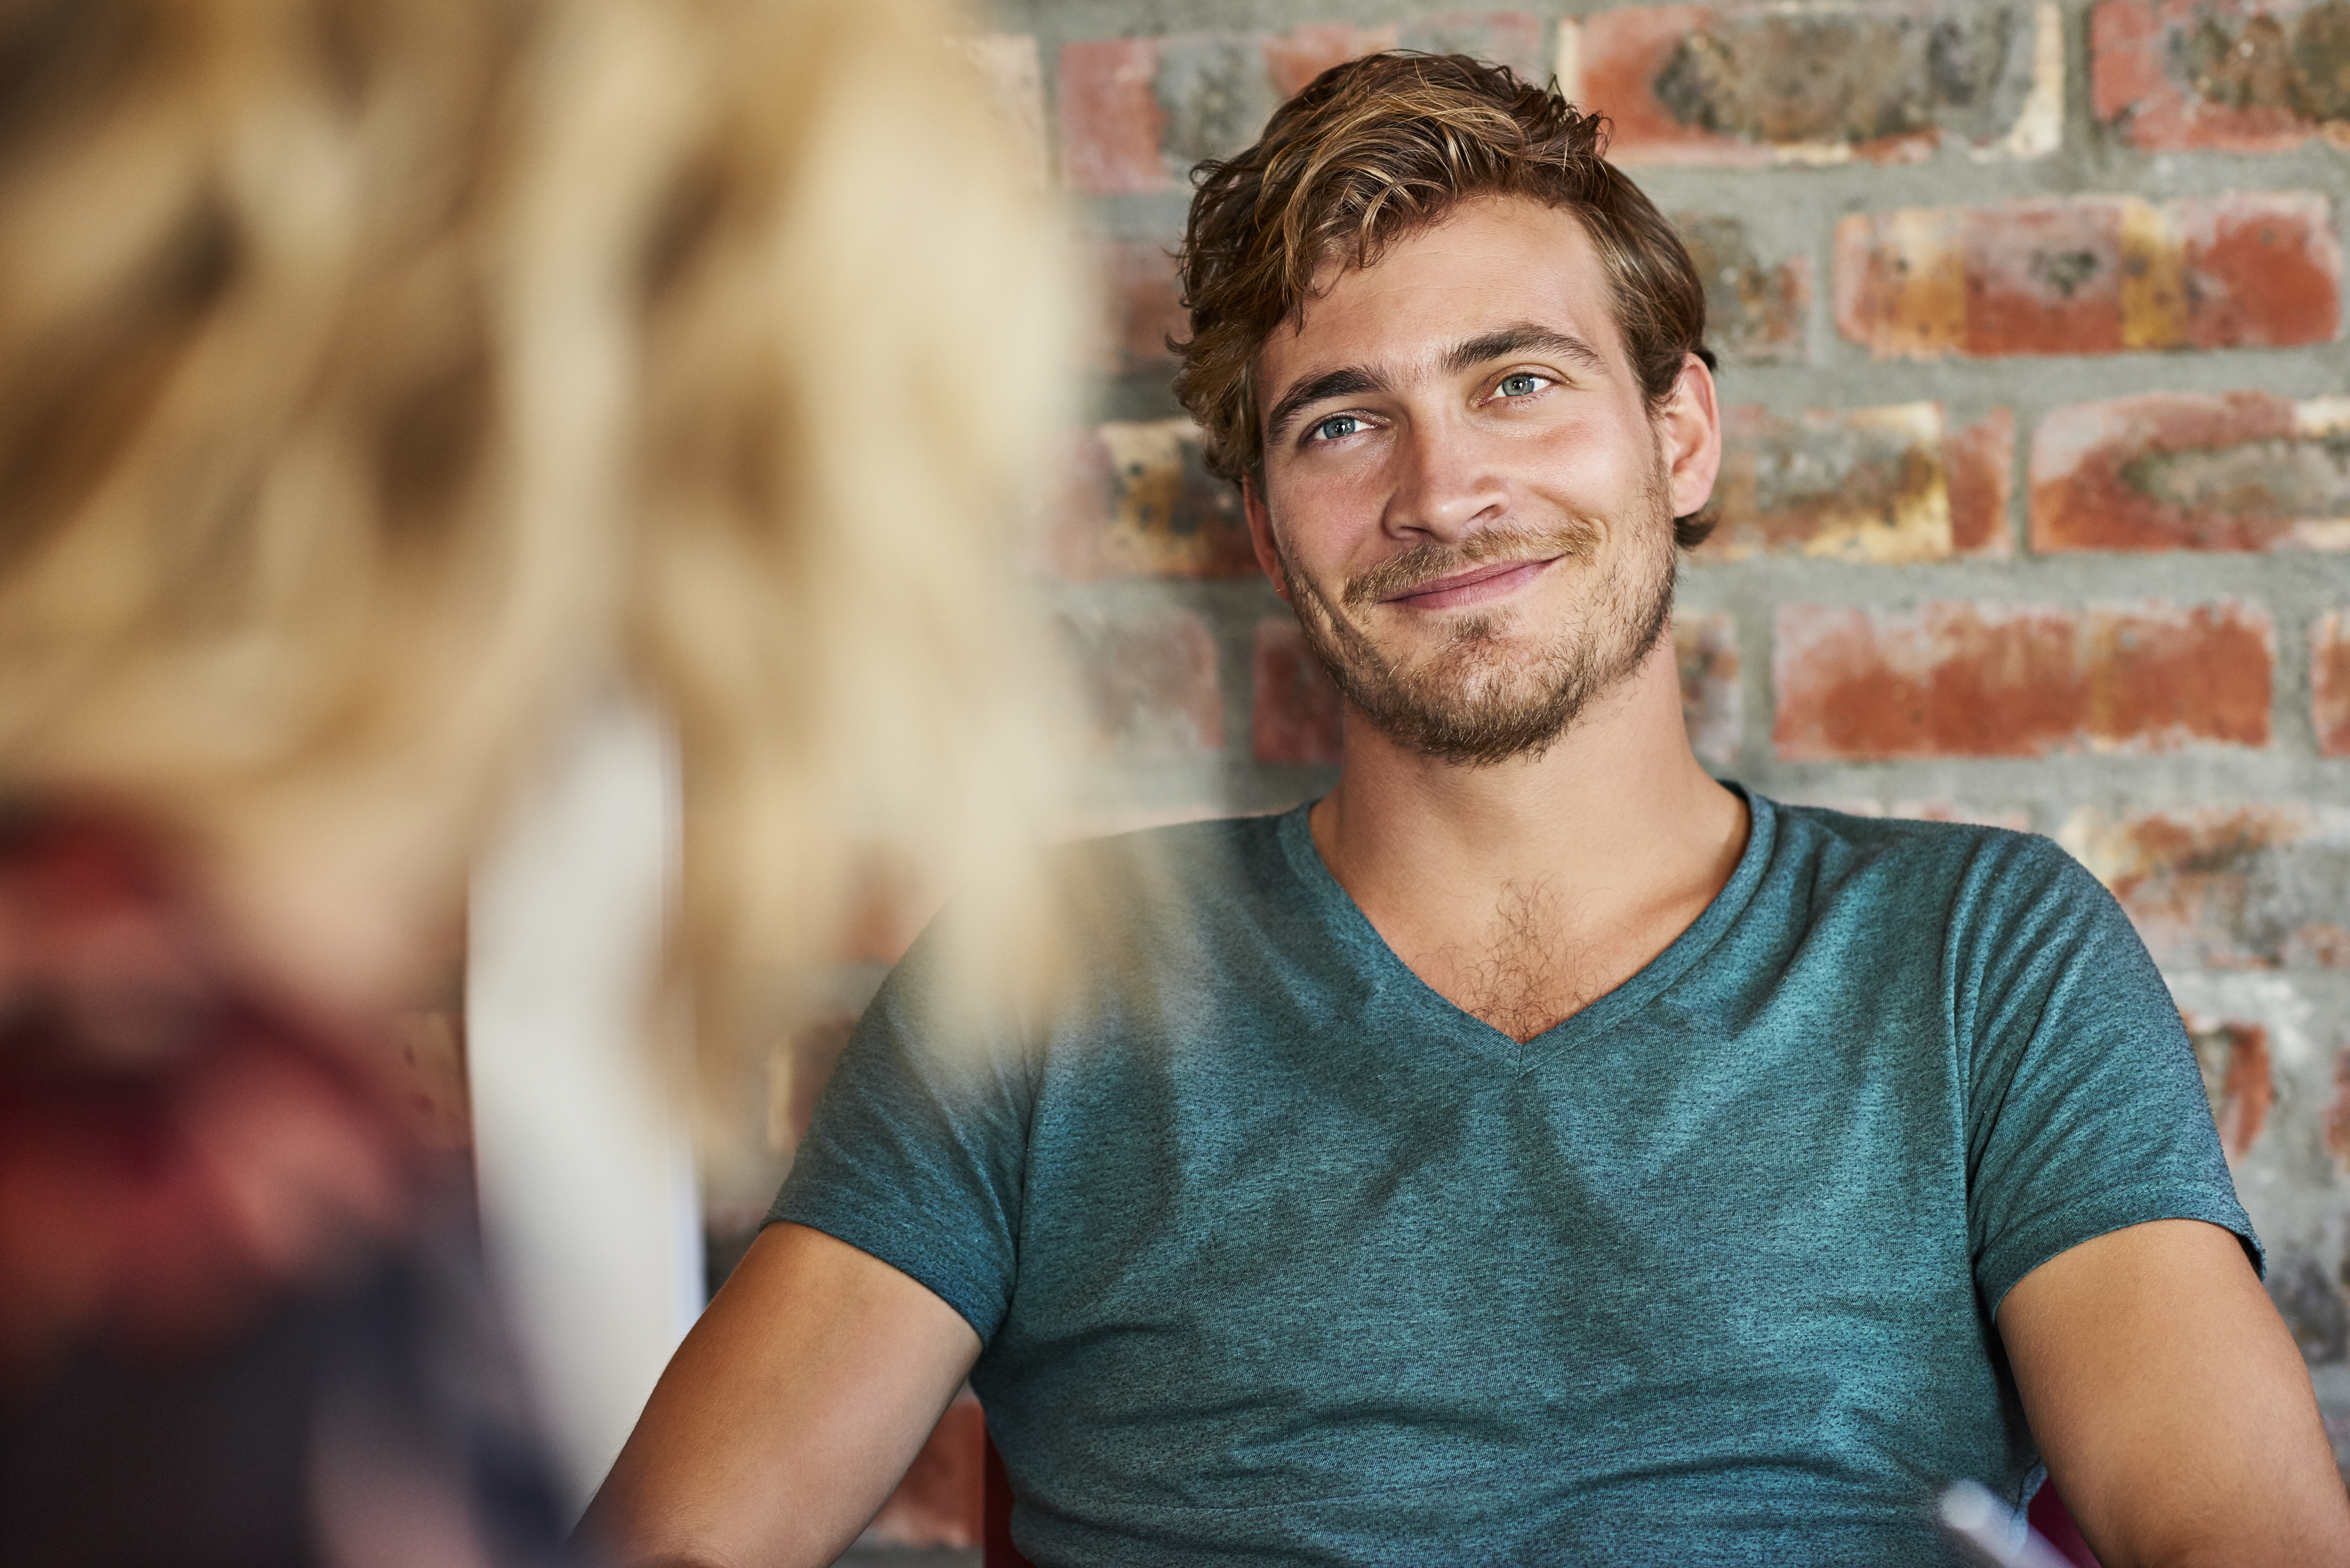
{"x":1492,"y":581}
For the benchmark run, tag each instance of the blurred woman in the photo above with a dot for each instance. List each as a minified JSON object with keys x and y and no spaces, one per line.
{"x":379,"y":381}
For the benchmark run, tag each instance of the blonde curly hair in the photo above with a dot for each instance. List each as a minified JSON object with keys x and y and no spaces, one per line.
{"x":379,"y":377}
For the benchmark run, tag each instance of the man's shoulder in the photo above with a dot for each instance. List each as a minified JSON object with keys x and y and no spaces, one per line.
{"x":1929,"y":862}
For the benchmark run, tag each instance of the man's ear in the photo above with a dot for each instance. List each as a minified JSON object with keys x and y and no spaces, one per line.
{"x":1689,"y":435}
{"x":1260,"y":527}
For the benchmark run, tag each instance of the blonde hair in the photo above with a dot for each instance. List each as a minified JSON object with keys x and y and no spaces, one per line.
{"x":377,"y":378}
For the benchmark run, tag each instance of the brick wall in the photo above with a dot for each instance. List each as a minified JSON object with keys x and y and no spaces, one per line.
{"x":2037,"y":503}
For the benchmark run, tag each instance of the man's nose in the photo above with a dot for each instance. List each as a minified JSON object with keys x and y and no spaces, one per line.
{"x":1446,"y":487}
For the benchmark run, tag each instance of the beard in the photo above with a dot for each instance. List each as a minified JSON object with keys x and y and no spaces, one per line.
{"x":1482,"y":696}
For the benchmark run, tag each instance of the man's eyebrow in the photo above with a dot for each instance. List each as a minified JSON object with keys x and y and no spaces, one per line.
{"x":1349,"y":382}
{"x":1523,"y":338}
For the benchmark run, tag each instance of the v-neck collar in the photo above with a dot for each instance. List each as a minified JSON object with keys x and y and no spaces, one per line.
{"x":1401,"y":997}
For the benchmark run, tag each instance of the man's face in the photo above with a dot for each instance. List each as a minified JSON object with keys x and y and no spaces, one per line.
{"x":1466,"y":496}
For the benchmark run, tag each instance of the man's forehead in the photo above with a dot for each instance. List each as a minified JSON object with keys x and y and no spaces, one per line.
{"x":1488,"y":262}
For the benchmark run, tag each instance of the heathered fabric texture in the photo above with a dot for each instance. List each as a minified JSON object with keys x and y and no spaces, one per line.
{"x":1279,"y":1257}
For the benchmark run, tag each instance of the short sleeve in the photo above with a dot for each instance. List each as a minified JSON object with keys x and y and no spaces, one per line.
{"x":2084,"y":1109}
{"x":917,"y":1148}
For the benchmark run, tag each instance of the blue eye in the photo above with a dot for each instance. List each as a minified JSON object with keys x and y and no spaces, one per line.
{"x":1522,"y":384}
{"x":1337,"y":427}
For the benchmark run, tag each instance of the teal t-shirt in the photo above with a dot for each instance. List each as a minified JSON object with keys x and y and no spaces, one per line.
{"x":1278,"y":1256}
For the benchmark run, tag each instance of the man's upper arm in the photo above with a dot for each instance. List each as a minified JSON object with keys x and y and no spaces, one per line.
{"x":788,"y":1414}
{"x":2170,"y":1404}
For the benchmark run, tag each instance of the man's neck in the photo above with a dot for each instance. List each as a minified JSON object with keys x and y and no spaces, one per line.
{"x":1524,"y":890}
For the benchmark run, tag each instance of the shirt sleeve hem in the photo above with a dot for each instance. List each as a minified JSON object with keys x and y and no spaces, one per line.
{"x":2008,"y":1259}
{"x":888,"y":1244}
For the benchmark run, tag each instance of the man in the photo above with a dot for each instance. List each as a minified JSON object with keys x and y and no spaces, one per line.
{"x":1534,"y":1151}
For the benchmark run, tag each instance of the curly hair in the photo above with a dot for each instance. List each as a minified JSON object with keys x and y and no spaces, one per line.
{"x":380,"y":378}
{"x":1378,"y":148}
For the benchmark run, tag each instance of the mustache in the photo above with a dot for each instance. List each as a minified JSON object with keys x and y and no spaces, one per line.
{"x":1425,"y":563}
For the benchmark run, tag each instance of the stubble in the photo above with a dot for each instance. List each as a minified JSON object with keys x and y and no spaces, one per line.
{"x":1495,"y":690}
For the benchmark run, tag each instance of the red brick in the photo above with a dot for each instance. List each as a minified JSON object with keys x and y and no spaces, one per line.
{"x":1762,"y":83}
{"x":1138,"y":113}
{"x":1148,"y":684}
{"x":2225,"y":886}
{"x":2089,"y":274}
{"x":1111,"y":123}
{"x":2018,"y":680}
{"x":1137,"y":500}
{"x":942,"y":1502}
{"x":2234,"y":1058}
{"x":1297,"y":57}
{"x":1887,"y":484}
{"x":2225,"y":77}
{"x":2329,"y":682}
{"x":2044,"y":277}
{"x":2262,"y":270}
{"x":1714,"y":706}
{"x":1899,"y":281}
{"x":1980,"y":458}
{"x":1294,"y":711}
{"x":1511,"y":38}
{"x":1143,"y":307}
{"x":1756,"y":309}
{"x":2170,"y":471}
{"x":2338,"y":1114}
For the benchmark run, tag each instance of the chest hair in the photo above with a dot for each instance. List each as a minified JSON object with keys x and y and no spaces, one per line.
{"x":1519,"y":974}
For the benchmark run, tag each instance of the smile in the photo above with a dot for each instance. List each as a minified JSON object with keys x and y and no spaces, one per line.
{"x":1475,"y":587}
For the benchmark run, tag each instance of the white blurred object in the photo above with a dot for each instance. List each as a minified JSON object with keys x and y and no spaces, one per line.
{"x":1999,"y":1533}
{"x":589,"y":1210}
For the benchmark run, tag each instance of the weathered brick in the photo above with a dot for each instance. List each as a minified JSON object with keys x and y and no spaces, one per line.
{"x":1981,"y":460}
{"x":1137,"y":499}
{"x":1112,"y":124}
{"x":1013,"y":75}
{"x":1756,"y":310}
{"x":2262,"y":270}
{"x":1216,"y":91}
{"x":1148,"y":683}
{"x":1138,"y":113}
{"x":2234,"y":1059}
{"x":2329,"y":682}
{"x":1142,"y":308}
{"x":2226,"y":886}
{"x":941,"y":1503}
{"x":1764,"y":83}
{"x":1294,"y":711}
{"x":2337,"y":1121}
{"x":1714,"y":706}
{"x":1882,"y":485}
{"x":1295,"y":58}
{"x":2019,"y":681}
{"x":2089,"y":274}
{"x":2221,"y":74}
{"x":1511,"y":38}
{"x":2170,"y":471}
